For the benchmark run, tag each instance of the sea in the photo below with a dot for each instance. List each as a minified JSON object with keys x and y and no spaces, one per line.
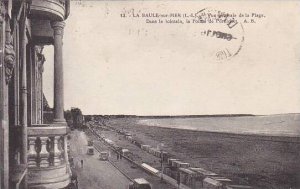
{"x":270,"y":125}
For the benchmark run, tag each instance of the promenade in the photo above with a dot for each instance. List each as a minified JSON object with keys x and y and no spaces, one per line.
{"x":94,"y":174}
{"x":129,"y":169}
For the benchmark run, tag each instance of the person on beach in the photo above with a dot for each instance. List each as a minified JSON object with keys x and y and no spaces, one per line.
{"x":81,"y":163}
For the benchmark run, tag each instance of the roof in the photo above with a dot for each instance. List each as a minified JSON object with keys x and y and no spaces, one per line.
{"x":203,"y":171}
{"x":149,"y":168}
{"x":222,"y":179}
{"x":238,"y":187}
{"x":212,"y":181}
{"x":173,"y":159}
{"x":187,"y":171}
{"x":183,"y":163}
{"x":178,"y":161}
{"x":141,"y":181}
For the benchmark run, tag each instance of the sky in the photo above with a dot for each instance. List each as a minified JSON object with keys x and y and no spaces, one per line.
{"x":115,"y":65}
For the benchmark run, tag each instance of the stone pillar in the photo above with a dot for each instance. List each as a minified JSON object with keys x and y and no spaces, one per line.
{"x":23,"y":107}
{"x":4,"y":140}
{"x":23,"y":102}
{"x":58,"y":28}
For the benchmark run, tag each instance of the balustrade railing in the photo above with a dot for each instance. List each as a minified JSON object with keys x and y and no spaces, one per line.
{"x":46,"y":145}
{"x":55,"y":10}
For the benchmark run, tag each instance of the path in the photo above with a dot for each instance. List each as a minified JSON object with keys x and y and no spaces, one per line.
{"x":95,"y":174}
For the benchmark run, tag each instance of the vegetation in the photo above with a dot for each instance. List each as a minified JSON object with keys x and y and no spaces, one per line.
{"x":74,"y":118}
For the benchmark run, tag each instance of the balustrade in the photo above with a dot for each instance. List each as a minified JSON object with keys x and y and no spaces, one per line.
{"x":46,"y":150}
{"x":55,"y":10}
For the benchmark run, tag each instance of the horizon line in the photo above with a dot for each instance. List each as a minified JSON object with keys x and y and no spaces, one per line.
{"x":189,"y":115}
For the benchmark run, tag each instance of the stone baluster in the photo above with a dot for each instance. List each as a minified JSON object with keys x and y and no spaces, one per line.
{"x":50,"y":147}
{"x":56,"y":151}
{"x":61,"y":148}
{"x":32,"y":154}
{"x":66,"y":148}
{"x":65,"y":138}
{"x":44,"y":154}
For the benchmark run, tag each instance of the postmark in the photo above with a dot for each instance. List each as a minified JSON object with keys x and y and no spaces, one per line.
{"x":222,"y":33}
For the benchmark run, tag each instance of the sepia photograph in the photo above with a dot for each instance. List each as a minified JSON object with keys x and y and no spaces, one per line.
{"x":149,"y":94}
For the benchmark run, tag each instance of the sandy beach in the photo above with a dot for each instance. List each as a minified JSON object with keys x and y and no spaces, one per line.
{"x":260,"y":161}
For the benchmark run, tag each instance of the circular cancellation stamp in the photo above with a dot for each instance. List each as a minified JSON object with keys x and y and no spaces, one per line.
{"x":222,"y":33}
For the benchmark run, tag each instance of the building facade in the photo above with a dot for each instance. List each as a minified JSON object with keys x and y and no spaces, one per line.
{"x":32,"y":154}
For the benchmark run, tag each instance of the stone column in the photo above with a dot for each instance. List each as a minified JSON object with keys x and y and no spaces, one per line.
{"x":58,"y":28}
{"x":4,"y":133}
{"x":23,"y":103}
{"x":23,"y":90}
